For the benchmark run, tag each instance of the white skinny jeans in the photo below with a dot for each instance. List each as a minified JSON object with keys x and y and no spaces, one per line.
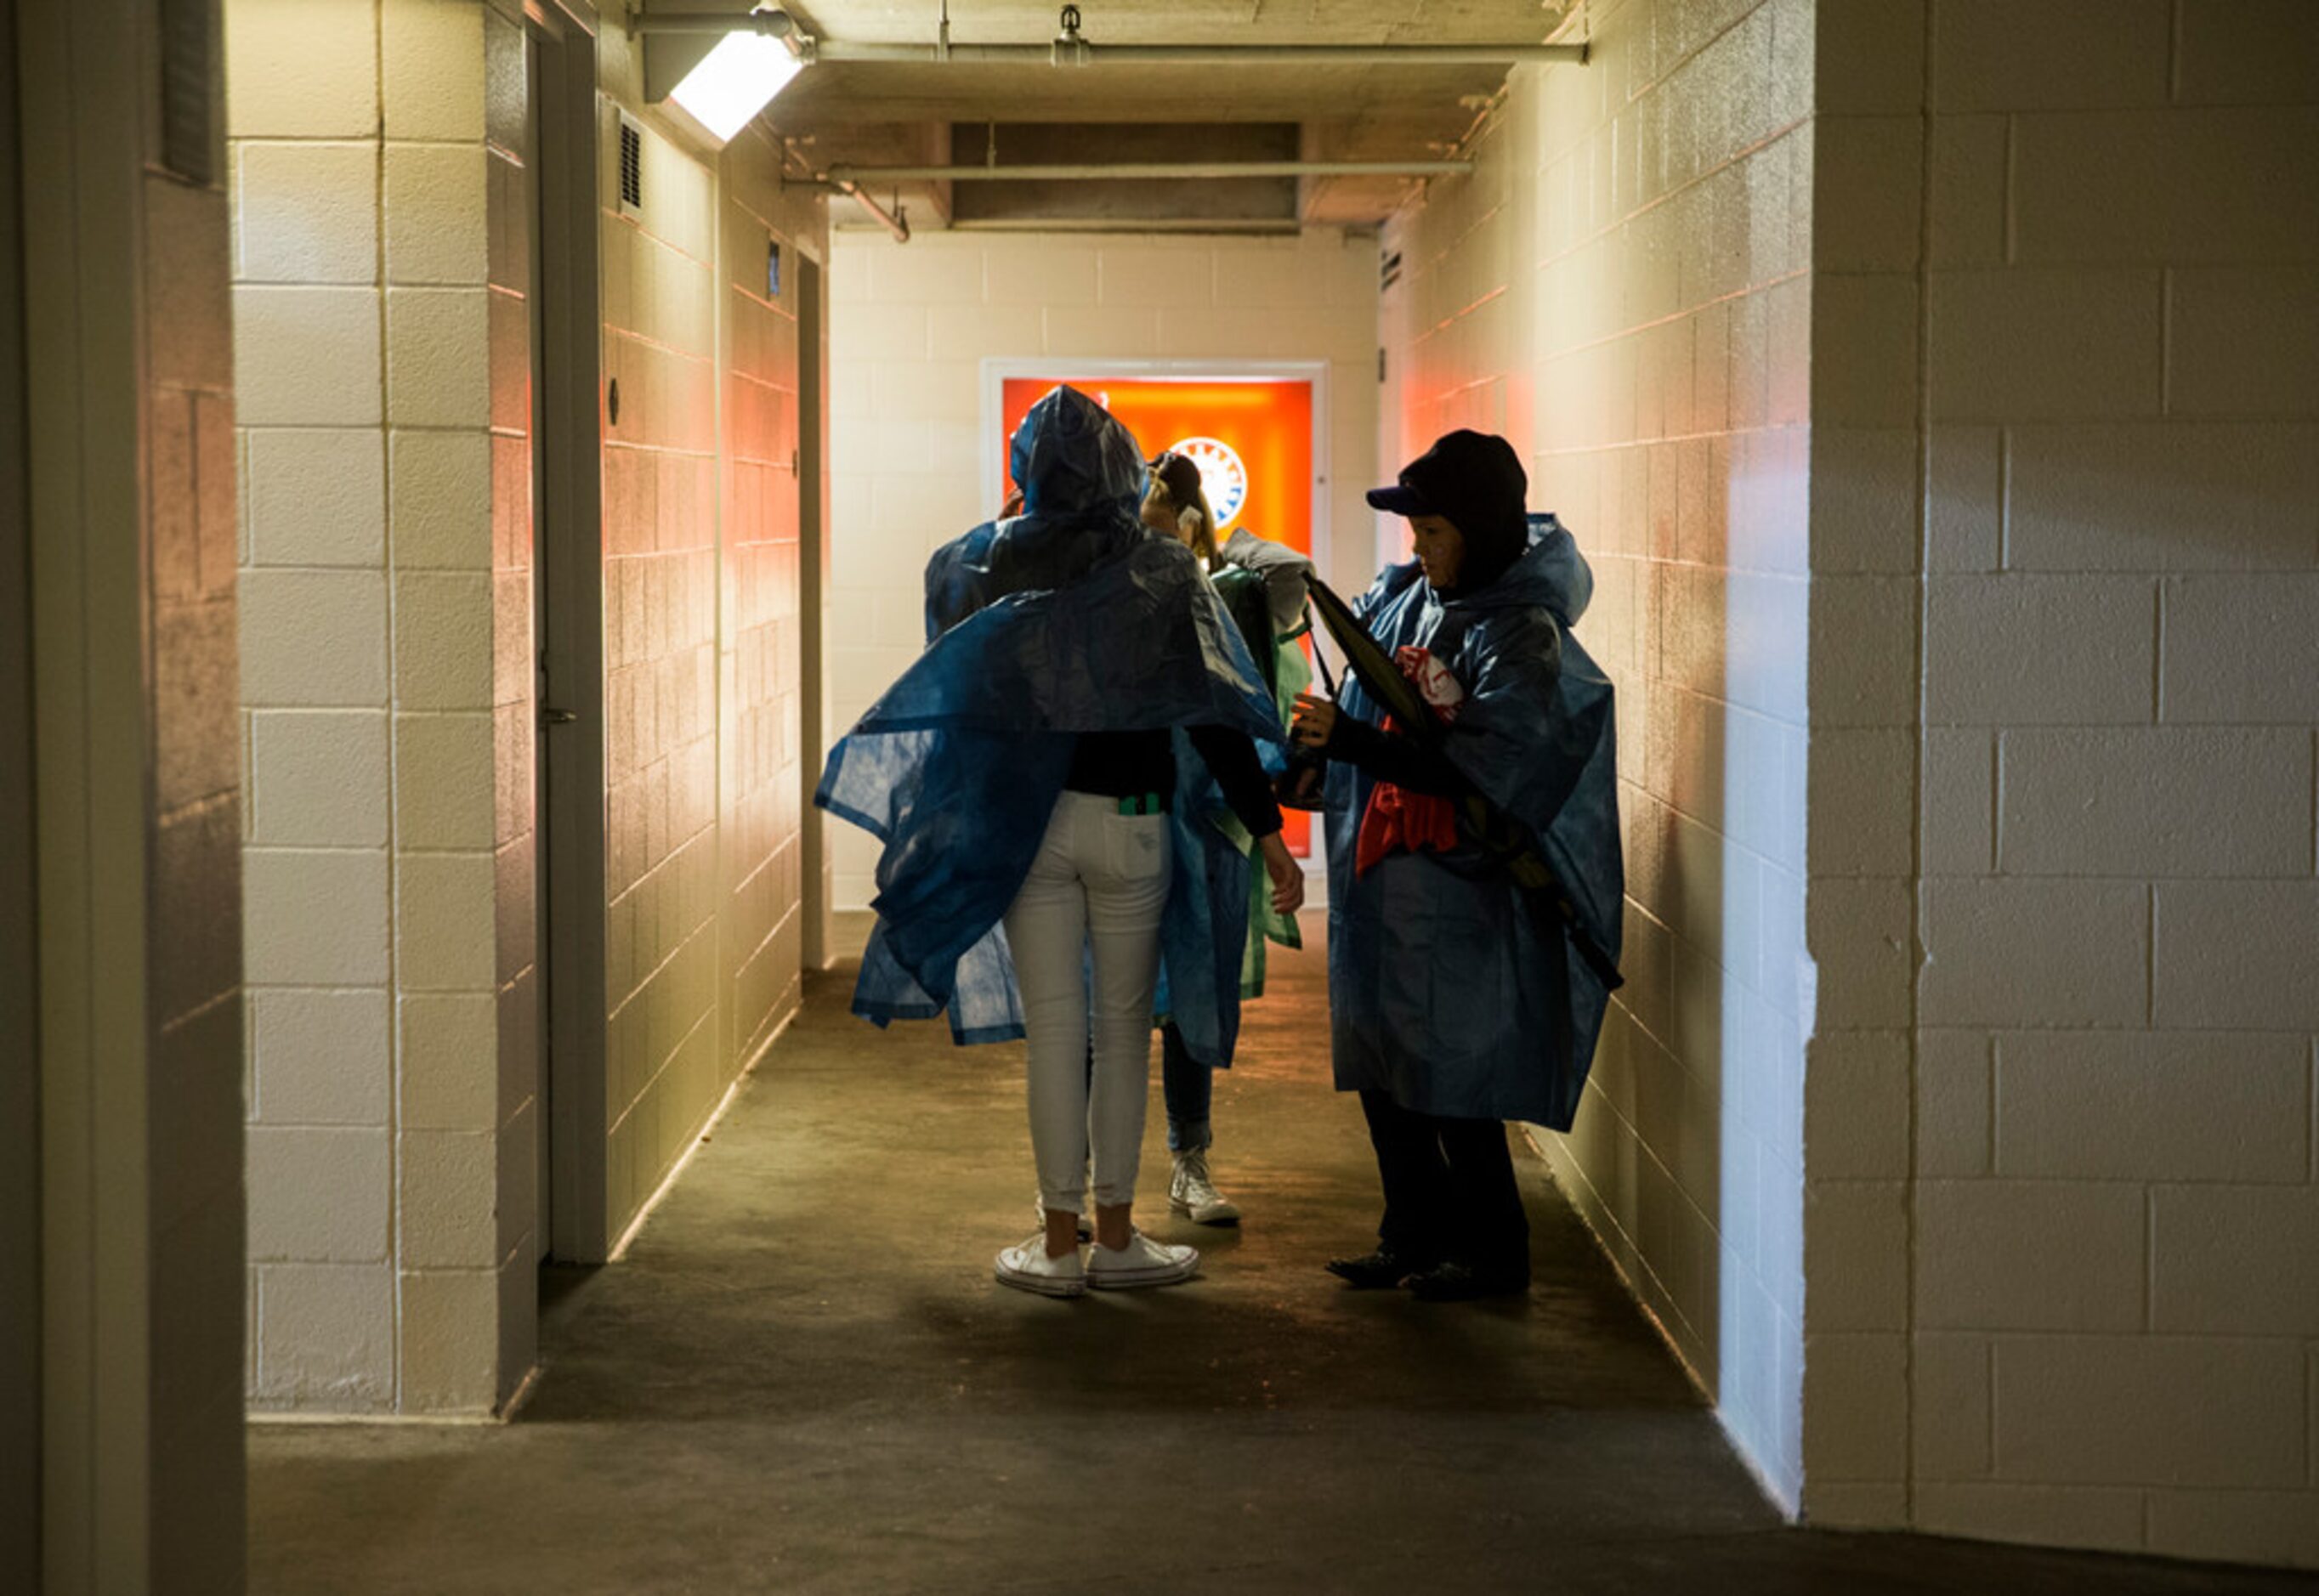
{"x":1100,"y":881}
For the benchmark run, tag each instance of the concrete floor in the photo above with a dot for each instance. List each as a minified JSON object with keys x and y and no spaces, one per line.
{"x":803,"y":1379}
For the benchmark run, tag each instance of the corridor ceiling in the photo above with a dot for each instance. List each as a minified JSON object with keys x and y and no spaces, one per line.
{"x":903,"y":113}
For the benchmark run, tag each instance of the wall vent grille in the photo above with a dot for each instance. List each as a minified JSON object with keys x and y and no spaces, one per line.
{"x":632,"y":166}
{"x":189,"y":89}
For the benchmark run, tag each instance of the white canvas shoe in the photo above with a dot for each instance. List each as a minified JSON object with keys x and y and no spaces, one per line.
{"x":1141,"y":1262}
{"x":1192,"y":1192}
{"x":1027,"y":1268}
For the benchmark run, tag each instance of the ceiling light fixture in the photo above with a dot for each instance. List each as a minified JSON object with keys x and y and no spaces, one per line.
{"x":740,"y":76}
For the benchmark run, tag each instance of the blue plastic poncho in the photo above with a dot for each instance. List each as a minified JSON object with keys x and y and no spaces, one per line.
{"x":1440,"y":989}
{"x":1069,"y":618}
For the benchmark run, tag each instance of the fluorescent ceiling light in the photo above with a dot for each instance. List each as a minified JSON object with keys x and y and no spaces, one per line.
{"x":734,"y":81}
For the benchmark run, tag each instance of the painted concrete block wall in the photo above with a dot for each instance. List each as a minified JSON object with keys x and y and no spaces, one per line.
{"x":700,"y":599}
{"x":762,"y":681}
{"x":519,"y":1241}
{"x":193,"y":1201}
{"x":660,"y":573}
{"x":1622,"y":288}
{"x":2081,"y":1306}
{"x":910,"y":326}
{"x":122,"y":497}
{"x":389,"y":1162}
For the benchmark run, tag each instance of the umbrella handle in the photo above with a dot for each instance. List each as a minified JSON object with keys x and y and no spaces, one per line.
{"x":1328,"y":679}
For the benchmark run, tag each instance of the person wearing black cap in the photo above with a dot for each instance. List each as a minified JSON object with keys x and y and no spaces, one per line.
{"x":1455,"y":1002}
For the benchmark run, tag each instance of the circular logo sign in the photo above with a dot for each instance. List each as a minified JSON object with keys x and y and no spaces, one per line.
{"x":1223,"y":477}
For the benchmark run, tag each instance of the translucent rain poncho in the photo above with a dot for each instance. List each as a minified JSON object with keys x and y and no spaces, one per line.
{"x":1440,"y":989}
{"x":1069,"y":618}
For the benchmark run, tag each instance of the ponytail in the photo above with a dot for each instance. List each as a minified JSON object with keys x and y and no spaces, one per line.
{"x":1176,"y":481}
{"x":1198,"y":525}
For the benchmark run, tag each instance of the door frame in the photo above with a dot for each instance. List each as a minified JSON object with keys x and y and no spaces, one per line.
{"x":20,"y":994}
{"x":571,"y":629}
{"x":812,"y":584}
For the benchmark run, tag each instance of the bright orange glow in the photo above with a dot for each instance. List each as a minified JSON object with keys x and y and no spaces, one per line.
{"x":1267,"y":425}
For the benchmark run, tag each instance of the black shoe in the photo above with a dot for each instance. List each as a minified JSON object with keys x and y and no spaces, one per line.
{"x":1457,"y":1281}
{"x":1381,"y":1270}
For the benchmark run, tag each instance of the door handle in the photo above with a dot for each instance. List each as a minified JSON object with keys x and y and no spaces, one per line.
{"x":549,"y":716}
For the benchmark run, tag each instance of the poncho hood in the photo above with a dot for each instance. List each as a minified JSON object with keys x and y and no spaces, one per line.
{"x":1082,"y":479}
{"x":1551,"y":575}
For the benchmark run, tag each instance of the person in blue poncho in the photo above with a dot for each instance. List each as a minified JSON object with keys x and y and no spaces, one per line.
{"x":1048,"y":781}
{"x":1261,"y":585}
{"x":1460,"y":999}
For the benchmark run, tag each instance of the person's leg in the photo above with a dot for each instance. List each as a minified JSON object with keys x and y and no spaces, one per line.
{"x":1187,"y":1087}
{"x":1488,"y":1224}
{"x":1046,"y":932}
{"x":1127,"y":893}
{"x":1415,"y":1178}
{"x":1124,"y":860}
{"x":1488,"y":1255}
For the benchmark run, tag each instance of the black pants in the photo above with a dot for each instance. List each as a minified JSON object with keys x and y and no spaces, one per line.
{"x":1449,"y":1189}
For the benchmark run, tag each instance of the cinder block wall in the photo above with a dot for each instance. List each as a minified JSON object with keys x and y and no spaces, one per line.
{"x":2086,"y":332}
{"x":1623,"y":288}
{"x":121,"y":606}
{"x":910,"y":325}
{"x":762,"y":677}
{"x":391,"y":1222}
{"x":704,"y":774}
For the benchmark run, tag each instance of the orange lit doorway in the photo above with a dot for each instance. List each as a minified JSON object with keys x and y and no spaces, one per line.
{"x":1256,"y":430}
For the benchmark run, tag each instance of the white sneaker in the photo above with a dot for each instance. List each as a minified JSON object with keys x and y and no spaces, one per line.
{"x":1027,"y":1268}
{"x":1141,"y":1262}
{"x":1191,"y":1192}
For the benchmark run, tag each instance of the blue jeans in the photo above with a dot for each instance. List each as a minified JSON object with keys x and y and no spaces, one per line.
{"x":1188,"y":1087}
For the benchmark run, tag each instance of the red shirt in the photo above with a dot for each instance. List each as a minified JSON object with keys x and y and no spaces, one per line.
{"x":1395,"y":819}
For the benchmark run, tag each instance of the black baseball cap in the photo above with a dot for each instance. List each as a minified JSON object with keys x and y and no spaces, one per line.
{"x":1474,"y":479}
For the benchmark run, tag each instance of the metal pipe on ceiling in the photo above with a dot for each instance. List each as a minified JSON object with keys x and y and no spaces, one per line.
{"x":1124,"y":224}
{"x":777,"y":23}
{"x":1074,"y":49}
{"x":1135,"y":171}
{"x":1087,"y":53}
{"x":898,"y":225}
{"x":893,"y":222}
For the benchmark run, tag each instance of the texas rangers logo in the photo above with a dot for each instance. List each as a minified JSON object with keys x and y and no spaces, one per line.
{"x":1223,"y":477}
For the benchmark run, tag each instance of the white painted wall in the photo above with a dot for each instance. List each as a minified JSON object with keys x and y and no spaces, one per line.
{"x":1622,"y":289}
{"x":2068,"y":302}
{"x":387,"y":1271}
{"x":382,"y":335}
{"x":125,"y":580}
{"x":910,"y":326}
{"x":705,"y":776}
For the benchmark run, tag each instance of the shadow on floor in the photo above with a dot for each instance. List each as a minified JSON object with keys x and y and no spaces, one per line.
{"x":802,"y":1378}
